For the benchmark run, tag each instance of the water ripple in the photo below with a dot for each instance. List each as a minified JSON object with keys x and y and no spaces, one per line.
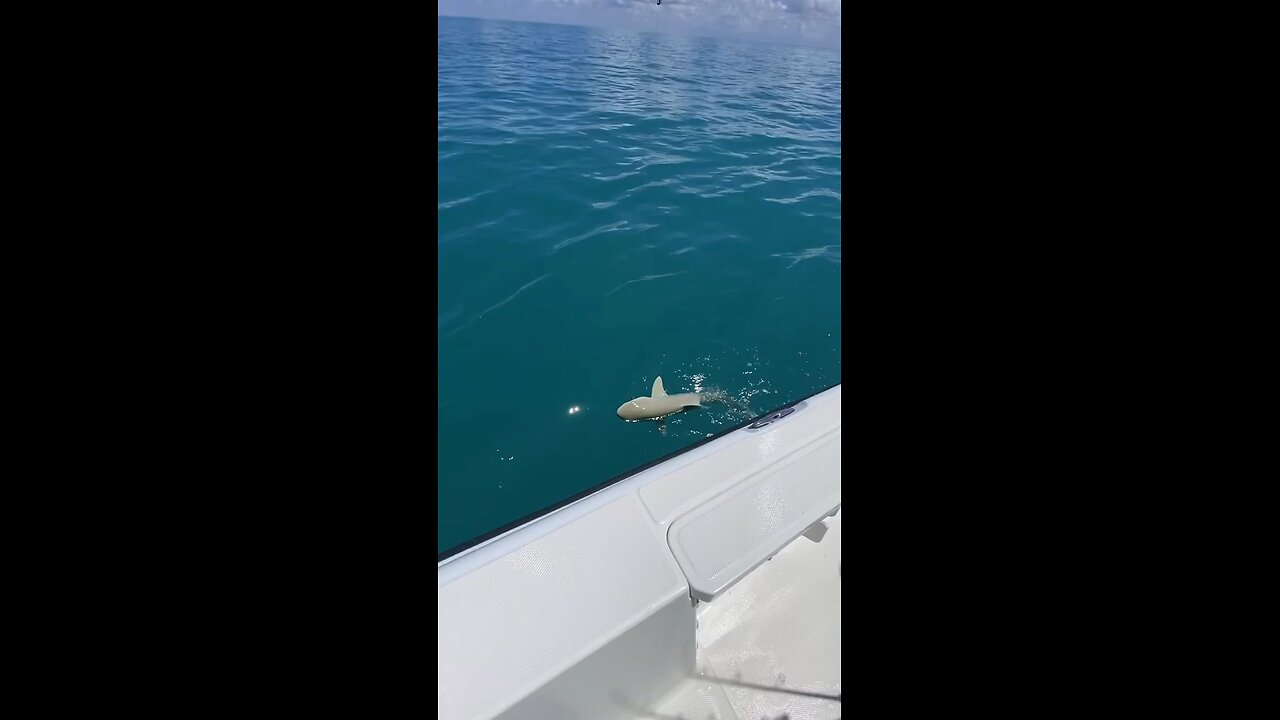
{"x":479,"y":316}
{"x":623,"y":205}
{"x":646,"y":278}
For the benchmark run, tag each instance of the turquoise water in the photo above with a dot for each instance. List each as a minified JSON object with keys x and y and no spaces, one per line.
{"x":615,"y":206}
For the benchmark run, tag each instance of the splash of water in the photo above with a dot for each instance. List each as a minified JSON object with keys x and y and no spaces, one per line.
{"x":738,"y":409}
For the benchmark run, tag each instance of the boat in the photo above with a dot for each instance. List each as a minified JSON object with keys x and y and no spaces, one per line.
{"x":705,"y":585}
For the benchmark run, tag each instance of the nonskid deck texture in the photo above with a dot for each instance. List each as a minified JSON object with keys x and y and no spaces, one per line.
{"x":770,"y":646}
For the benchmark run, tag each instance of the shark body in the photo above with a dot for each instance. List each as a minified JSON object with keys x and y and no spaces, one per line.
{"x":658,"y":404}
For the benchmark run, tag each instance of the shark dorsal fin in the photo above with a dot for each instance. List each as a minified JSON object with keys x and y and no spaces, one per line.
{"x":657,"y":388}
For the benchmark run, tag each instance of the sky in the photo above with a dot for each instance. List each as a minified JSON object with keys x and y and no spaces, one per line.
{"x":795,"y":22}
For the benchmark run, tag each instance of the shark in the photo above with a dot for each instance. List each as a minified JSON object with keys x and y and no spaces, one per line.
{"x":658,"y":404}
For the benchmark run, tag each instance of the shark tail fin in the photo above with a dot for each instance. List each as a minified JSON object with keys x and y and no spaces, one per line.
{"x":657,"y":388}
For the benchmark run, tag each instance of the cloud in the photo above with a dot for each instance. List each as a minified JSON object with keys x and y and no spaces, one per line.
{"x":807,"y":22}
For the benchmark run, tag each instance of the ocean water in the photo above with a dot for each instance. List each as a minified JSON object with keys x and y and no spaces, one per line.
{"x":614,"y":206}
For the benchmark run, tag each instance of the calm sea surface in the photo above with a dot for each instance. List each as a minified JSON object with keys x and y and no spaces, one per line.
{"x":614,"y":206}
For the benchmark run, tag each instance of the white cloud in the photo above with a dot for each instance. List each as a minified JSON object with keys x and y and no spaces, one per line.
{"x":814,"y":22}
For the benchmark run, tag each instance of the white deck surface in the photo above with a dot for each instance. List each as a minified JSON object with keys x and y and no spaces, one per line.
{"x":586,"y":614}
{"x":779,"y":627}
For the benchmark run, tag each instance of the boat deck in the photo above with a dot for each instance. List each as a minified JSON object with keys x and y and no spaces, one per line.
{"x":770,"y":646}
{"x":588,"y":612}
